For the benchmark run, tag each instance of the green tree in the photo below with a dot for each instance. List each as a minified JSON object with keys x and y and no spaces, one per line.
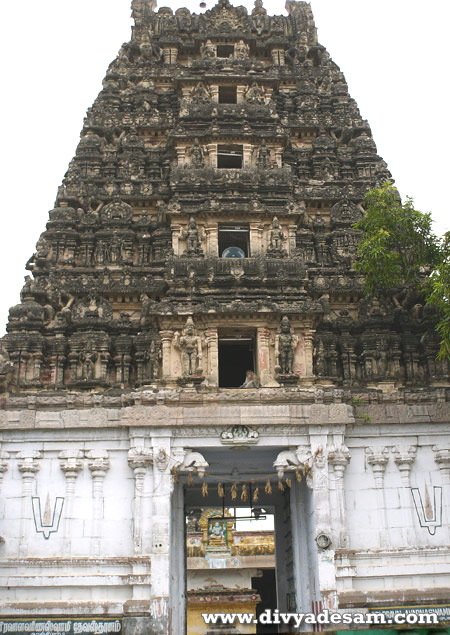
{"x":399,"y":254}
{"x":398,"y":246}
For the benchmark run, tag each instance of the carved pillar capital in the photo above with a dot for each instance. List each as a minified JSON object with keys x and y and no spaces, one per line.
{"x":404,"y":457}
{"x":339,"y":458}
{"x":28,"y":466}
{"x":378,"y":459}
{"x":139,"y":458}
{"x":71,"y":462}
{"x":442,"y":458}
{"x":28,"y":463}
{"x":98,"y":463}
{"x":4,"y":457}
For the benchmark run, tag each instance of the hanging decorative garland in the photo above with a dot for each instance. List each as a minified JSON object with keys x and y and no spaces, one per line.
{"x":300,"y":474}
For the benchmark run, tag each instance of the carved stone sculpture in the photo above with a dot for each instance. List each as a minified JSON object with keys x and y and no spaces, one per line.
{"x":192,"y":238}
{"x":196,"y":154}
{"x":190,"y":346}
{"x":285,"y":344}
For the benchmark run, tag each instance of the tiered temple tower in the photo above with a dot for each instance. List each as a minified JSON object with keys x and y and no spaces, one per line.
{"x":193,"y":290}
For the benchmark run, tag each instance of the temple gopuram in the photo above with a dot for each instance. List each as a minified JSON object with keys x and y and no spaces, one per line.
{"x":193,"y":348}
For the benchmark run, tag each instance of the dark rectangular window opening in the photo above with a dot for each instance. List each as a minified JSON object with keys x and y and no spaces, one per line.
{"x":234,"y":236}
{"x":230,"y":157}
{"x":225,"y":50}
{"x":236,"y":357}
{"x":227,"y":94}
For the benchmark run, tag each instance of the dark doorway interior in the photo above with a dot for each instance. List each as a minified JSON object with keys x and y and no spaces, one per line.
{"x":227,"y":94}
{"x":225,"y":50}
{"x":266,"y":587}
{"x":236,"y":357}
{"x":230,"y":157}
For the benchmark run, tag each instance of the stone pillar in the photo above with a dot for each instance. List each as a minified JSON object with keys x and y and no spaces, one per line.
{"x":322,"y":515}
{"x":210,"y":155}
{"x":4,"y":456}
{"x":264,"y":367}
{"x":339,"y":458}
{"x":98,"y":463}
{"x":71,"y":464}
{"x":308,"y":340}
{"x":139,"y":459}
{"x":28,"y":466}
{"x":212,"y":343}
{"x":166,"y":346}
{"x":278,"y":57}
{"x":212,"y":239}
{"x":292,"y":239}
{"x":214,"y":90}
{"x":240,"y":92}
{"x":181,"y":155}
{"x":161,"y":529}
{"x":247,"y":158}
{"x":278,"y":152}
{"x":256,"y":235}
{"x":176,"y":233}
{"x":404,"y":457}
{"x":378,"y":459}
{"x":442,"y":458}
{"x":170,"y":55}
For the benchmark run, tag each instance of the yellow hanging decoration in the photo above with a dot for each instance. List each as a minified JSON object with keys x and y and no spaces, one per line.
{"x":190,"y":480}
{"x":289,"y":482}
{"x":234,"y":491}
{"x":256,"y":495}
{"x":305,"y":470}
{"x":174,"y":474}
{"x":281,"y":486}
{"x":244,"y":494}
{"x":205,"y":490}
{"x":268,"y":487}
{"x":220,"y":491}
{"x":298,"y":475}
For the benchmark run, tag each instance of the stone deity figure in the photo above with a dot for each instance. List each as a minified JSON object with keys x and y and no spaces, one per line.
{"x":196,"y":154}
{"x":255,"y":95}
{"x":208,"y":50}
{"x":276,"y":236}
{"x":285,"y":345}
{"x":251,"y":380}
{"x":190,"y":346}
{"x":5,"y":363}
{"x":88,"y":359}
{"x":263,"y":158}
{"x":192,"y":238}
{"x":200,"y":94}
{"x":241,"y":50}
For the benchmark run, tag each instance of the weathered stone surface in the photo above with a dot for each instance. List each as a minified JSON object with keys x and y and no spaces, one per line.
{"x":110,"y":374}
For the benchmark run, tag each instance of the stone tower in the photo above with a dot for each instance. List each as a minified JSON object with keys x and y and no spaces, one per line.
{"x":194,"y":291}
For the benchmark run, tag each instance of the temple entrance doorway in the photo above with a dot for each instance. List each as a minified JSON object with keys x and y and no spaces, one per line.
{"x":248,"y":546}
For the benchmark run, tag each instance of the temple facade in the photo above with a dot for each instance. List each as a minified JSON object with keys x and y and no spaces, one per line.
{"x":193,"y":335}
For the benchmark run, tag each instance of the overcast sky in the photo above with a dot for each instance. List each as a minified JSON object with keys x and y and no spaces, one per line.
{"x":394,"y":54}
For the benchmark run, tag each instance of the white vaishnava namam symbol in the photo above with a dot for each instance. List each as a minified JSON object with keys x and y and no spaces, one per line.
{"x":430,"y":516}
{"x":50,"y":523}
